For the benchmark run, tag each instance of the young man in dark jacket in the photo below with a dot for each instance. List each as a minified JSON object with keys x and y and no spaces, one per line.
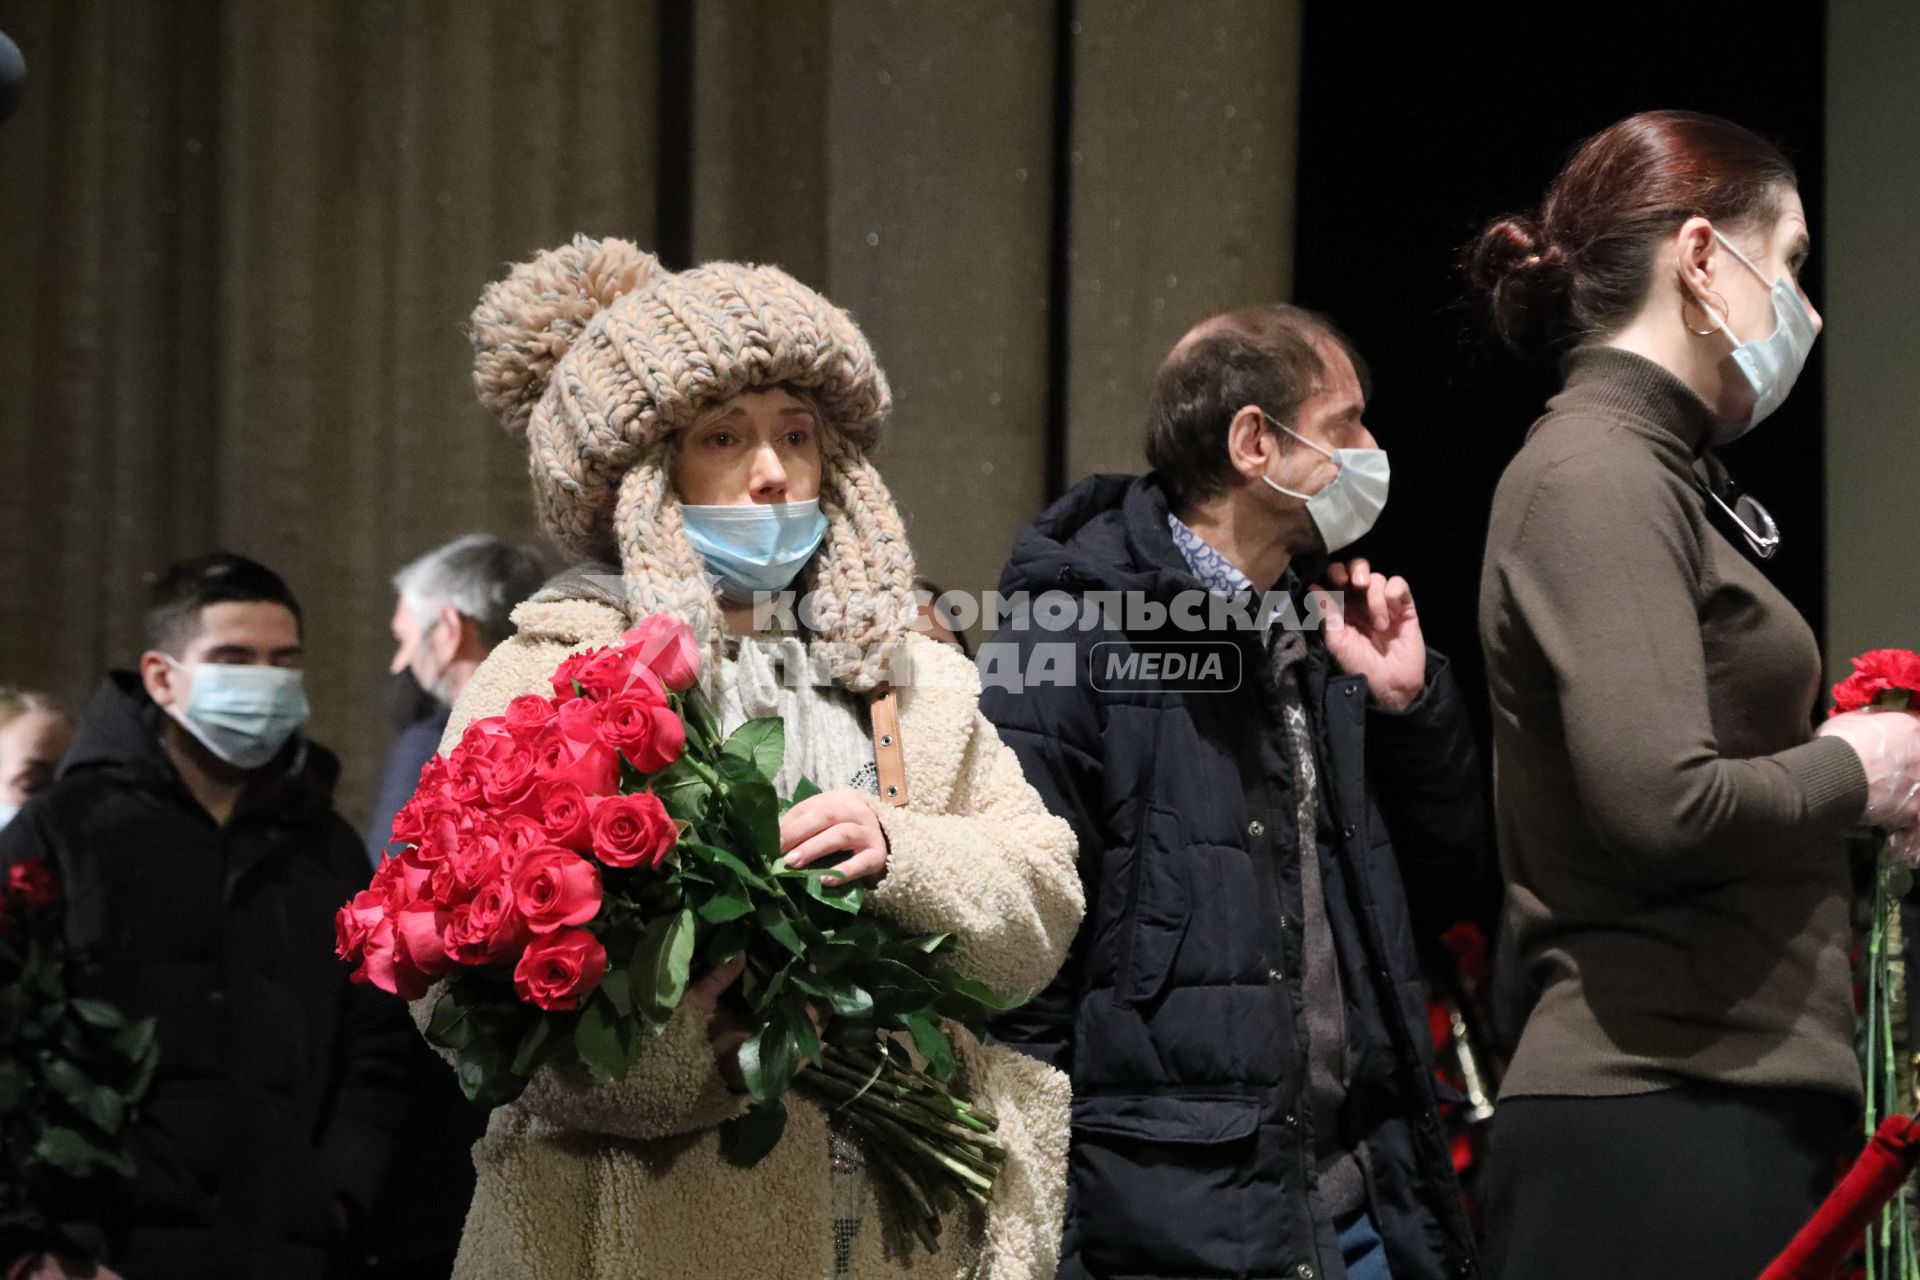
{"x":193,"y":831}
{"x":1260,"y":801}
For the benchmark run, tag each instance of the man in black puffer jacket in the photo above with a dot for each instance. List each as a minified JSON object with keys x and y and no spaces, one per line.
{"x":193,"y":830}
{"x":1242,"y":1014}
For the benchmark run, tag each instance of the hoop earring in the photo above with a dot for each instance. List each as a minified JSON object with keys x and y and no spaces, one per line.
{"x":1690,"y":300}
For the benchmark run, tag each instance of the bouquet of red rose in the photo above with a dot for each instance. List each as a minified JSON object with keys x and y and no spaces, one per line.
{"x":571,"y":863}
{"x":71,"y":1071}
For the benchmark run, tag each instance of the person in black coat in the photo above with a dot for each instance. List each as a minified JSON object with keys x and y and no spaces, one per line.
{"x":1269,"y":812}
{"x":193,"y":832}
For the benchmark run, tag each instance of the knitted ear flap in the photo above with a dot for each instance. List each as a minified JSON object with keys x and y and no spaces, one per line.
{"x":861,"y":579}
{"x":662,"y":571}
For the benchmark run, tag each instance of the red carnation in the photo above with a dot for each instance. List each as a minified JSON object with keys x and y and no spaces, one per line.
{"x":1882,"y":671}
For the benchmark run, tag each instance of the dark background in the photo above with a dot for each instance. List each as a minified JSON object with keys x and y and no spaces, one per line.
{"x":1409,"y":145}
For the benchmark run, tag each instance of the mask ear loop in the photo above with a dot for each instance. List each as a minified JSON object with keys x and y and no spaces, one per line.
{"x":1328,"y":454}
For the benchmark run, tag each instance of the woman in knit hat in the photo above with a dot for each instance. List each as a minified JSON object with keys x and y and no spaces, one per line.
{"x":699,"y":437}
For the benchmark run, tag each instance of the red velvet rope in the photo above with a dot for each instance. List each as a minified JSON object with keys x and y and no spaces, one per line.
{"x":1824,"y":1243}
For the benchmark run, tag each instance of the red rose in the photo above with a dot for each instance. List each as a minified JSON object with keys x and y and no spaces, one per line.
{"x":1880,"y":671}
{"x":419,"y":930}
{"x":486,"y":928}
{"x":571,"y":749}
{"x":569,"y":674}
{"x":482,"y":737}
{"x":528,"y":714}
{"x":388,"y":966}
{"x":442,"y":829}
{"x":477,"y":860}
{"x":665,"y":644}
{"x":615,"y":670}
{"x":566,"y":815}
{"x":519,"y":833}
{"x":558,"y":971}
{"x":633,"y":831}
{"x":401,"y":882}
{"x":555,"y":887}
{"x":354,"y":923}
{"x":604,"y":673}
{"x":410,"y":822}
{"x":644,"y":730}
{"x":32,"y":887}
{"x":507,"y":780}
{"x":466,"y":779}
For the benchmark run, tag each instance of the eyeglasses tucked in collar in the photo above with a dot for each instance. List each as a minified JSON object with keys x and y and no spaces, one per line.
{"x":1754,"y":521}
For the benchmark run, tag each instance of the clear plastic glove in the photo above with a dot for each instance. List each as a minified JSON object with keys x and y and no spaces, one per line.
{"x":1903,"y":848}
{"x":1888,"y":744}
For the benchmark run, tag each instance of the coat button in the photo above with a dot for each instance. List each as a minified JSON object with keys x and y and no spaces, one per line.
{"x":1256,"y":828}
{"x":1305,"y":1271}
{"x":1274,"y":975}
{"x":1346,"y":830}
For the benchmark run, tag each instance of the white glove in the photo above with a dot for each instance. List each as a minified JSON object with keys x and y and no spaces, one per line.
{"x":1888,"y":744}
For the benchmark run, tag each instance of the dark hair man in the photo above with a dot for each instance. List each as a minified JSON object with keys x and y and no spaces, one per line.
{"x":1259,"y":802}
{"x":193,"y":831}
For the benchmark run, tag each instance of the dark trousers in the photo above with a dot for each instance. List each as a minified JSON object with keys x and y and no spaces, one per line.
{"x":1695,"y":1183}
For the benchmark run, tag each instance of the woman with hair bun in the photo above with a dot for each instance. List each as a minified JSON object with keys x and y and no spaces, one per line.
{"x":1670,"y":824}
{"x":700,"y":438}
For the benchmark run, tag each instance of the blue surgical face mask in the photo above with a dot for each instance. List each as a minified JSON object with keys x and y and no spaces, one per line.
{"x":755,"y":546}
{"x":243,"y":714}
{"x":8,"y":812}
{"x":1771,"y":364}
{"x":1345,"y":507}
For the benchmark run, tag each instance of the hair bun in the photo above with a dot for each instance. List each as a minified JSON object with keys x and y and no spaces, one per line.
{"x":524,"y":323}
{"x":1523,"y":276}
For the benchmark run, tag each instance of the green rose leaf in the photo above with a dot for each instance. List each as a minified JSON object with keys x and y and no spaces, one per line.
{"x":746,"y":1139}
{"x":599,"y":1040}
{"x":662,"y":965}
{"x":762,"y":743}
{"x":683,"y":792}
{"x":528,"y":1056}
{"x":67,"y":1150}
{"x":751,"y":806}
{"x":617,"y":986}
{"x":723,"y":907}
{"x":849,"y":898}
{"x":749,"y":1058}
{"x":98,"y":1013}
{"x":932,"y":1043}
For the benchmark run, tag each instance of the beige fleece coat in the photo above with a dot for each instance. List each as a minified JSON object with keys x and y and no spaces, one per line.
{"x":583,"y":1182}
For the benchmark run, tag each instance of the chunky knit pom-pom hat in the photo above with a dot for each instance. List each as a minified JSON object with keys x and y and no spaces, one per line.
{"x":598,"y":358}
